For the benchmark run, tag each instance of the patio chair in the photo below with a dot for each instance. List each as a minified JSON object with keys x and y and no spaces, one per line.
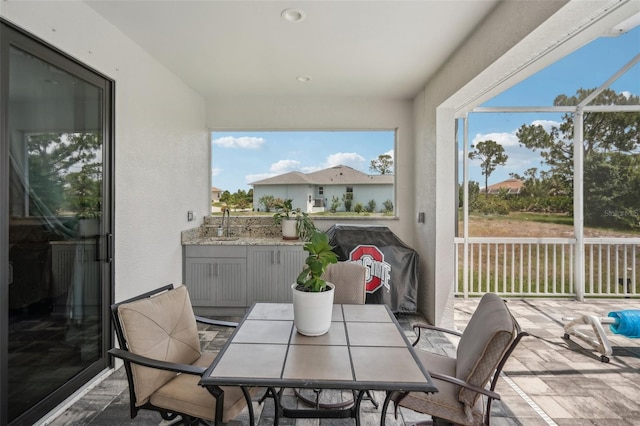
{"x":487,"y":342}
{"x":350,"y":281}
{"x":159,"y":344}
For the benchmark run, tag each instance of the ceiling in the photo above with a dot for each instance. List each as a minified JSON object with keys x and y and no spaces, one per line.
{"x":364,"y":49}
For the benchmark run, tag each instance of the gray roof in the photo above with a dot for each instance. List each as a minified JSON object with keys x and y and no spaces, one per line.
{"x":331,"y":176}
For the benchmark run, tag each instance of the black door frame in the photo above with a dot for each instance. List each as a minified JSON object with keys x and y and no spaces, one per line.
{"x":11,"y":35}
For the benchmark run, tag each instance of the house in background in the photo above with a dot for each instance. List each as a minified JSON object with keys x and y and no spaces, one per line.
{"x":314,"y":192}
{"x":215,"y":194}
{"x":512,"y":186}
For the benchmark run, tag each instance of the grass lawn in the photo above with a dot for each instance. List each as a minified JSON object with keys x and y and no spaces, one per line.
{"x":533,"y":225}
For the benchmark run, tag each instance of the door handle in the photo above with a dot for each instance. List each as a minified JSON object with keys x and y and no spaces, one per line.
{"x":110,"y":247}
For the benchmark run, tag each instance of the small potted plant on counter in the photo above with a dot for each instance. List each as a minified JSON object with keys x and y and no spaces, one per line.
{"x":313,"y":296}
{"x":295,"y":223}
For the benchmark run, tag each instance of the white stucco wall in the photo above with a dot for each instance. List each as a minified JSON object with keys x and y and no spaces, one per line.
{"x":161,"y":139}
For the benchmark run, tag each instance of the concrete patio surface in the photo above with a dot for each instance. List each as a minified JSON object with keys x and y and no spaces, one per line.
{"x":547,"y":381}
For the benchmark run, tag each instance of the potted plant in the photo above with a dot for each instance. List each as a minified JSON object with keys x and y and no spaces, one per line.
{"x":313,"y":296}
{"x":295,"y":223}
{"x":285,"y":215}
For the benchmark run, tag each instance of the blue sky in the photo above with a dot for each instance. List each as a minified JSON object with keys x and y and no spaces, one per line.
{"x":587,"y":68}
{"x":239,"y":158}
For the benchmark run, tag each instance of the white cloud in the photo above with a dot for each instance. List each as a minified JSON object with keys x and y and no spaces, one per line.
{"x":284,"y":166}
{"x":546,"y":124}
{"x":351,"y":159}
{"x":216,"y":171}
{"x":277,"y":168}
{"x":310,"y":169}
{"x":503,"y":138}
{"x":243,"y":142}
{"x":258,"y":176}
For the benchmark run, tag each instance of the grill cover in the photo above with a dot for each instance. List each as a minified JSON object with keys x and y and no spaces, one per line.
{"x":392,"y":276}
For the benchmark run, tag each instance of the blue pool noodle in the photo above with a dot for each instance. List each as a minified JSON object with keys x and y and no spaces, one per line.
{"x":627,"y":323}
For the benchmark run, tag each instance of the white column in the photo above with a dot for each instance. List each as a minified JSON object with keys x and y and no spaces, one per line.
{"x":465,"y":206}
{"x":578,"y":201}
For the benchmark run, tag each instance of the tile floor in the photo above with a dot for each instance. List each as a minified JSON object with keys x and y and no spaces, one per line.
{"x":547,"y":381}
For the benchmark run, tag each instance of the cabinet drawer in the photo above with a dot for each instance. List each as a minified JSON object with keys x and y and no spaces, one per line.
{"x":215,"y":251}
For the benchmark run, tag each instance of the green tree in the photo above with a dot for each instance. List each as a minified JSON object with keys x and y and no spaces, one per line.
{"x":225,"y":196}
{"x":383,"y":164}
{"x":335,"y":203}
{"x":612,"y":190}
{"x":603,"y":132}
{"x":347,"y":200}
{"x":84,"y":191}
{"x":64,"y":172}
{"x":491,"y":154}
{"x":610,"y":149}
{"x":371,"y":206}
{"x":268,"y":202}
{"x":474,"y":190}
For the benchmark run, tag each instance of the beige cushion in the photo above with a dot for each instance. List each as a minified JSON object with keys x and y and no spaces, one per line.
{"x":485,"y":340}
{"x":444,"y":403}
{"x":184,"y":395}
{"x":349,"y":279}
{"x":164,"y":328}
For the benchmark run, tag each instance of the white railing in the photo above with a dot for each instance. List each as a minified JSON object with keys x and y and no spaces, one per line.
{"x":545,"y":267}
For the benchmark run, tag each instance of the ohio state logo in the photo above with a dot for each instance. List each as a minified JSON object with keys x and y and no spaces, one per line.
{"x":378,"y":271}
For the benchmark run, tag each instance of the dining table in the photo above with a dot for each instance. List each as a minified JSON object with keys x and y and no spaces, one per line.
{"x":365,"y":349}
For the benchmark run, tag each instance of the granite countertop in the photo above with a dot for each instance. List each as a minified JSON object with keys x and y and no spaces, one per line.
{"x":239,"y":241}
{"x":206,"y":235}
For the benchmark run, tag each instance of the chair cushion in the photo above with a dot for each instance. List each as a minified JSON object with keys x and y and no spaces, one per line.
{"x":162,"y":327}
{"x":183,"y":394}
{"x":349,"y":279}
{"x":444,"y":403}
{"x":485,"y":340}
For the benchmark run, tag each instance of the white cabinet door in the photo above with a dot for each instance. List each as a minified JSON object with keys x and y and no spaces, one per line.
{"x":216,"y":276}
{"x":271,"y":271}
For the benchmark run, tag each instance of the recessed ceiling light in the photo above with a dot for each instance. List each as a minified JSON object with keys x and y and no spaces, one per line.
{"x":303,"y":78}
{"x":293,"y":15}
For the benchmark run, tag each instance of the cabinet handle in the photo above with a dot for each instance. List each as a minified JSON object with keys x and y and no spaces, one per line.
{"x":213,"y":269}
{"x":279,"y":262}
{"x":273,"y":260}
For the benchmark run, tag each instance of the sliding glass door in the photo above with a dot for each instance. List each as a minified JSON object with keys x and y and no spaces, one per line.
{"x":56,"y":226}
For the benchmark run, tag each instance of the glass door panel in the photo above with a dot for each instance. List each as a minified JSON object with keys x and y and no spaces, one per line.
{"x":55,"y":124}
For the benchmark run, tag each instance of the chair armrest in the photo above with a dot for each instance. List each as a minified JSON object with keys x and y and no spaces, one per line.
{"x":210,"y":321}
{"x":155,"y":363}
{"x":454,"y":380}
{"x":418,"y":326}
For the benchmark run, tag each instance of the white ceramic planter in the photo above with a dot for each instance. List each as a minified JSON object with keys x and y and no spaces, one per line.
{"x":312,"y":311}
{"x":289,"y":231}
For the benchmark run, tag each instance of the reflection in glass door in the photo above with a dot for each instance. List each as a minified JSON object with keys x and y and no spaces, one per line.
{"x":55,"y":131}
